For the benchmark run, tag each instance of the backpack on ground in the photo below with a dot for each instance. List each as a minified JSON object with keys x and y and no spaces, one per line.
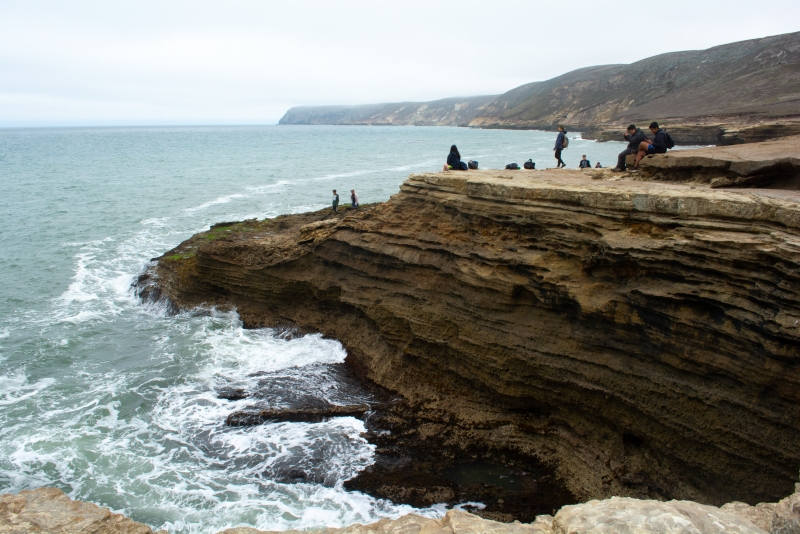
{"x":472,"y":164}
{"x":669,"y":141}
{"x":512,"y":166}
{"x":529,"y":164}
{"x":565,"y":142}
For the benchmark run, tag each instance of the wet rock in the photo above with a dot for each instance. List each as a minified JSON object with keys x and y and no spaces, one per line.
{"x":296,"y":415}
{"x":232,"y":394}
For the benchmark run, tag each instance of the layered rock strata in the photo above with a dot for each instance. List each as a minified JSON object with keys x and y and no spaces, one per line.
{"x":774,"y":164}
{"x":640,"y":337}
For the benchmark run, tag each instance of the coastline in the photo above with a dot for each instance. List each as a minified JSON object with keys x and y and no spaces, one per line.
{"x":566,"y":318}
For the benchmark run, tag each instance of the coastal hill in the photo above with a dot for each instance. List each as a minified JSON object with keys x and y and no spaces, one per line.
{"x":739,"y":92}
{"x":638,"y":335}
{"x":448,"y":111}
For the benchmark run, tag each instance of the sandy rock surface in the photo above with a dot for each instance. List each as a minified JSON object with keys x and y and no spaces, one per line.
{"x":50,"y":510}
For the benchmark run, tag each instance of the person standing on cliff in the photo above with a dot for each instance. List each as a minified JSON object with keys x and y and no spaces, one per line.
{"x":353,"y":199}
{"x":635,"y":137}
{"x":335,"y":201}
{"x":562,"y":135}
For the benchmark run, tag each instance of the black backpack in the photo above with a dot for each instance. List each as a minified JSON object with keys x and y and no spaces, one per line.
{"x":529,"y":164}
{"x":512,"y":166}
{"x":472,"y":164}
{"x":670,"y":142}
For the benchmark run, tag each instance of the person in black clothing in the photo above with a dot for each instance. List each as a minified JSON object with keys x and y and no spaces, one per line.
{"x":454,"y":160}
{"x":657,"y":146}
{"x":562,"y":133}
{"x":635,"y":137}
{"x":585,"y":163}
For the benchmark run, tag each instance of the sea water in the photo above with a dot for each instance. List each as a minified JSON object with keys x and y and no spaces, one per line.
{"x":115,"y":402}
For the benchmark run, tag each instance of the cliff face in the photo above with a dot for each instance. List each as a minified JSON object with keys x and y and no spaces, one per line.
{"x":729,"y":94}
{"x":640,"y":336}
{"x":446,"y":112}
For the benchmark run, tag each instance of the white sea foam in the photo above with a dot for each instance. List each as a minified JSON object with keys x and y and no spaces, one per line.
{"x":221,"y":200}
{"x":15,"y":388}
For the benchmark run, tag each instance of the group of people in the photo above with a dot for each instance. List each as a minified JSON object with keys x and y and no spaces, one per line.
{"x":638,"y":143}
{"x":353,"y":200}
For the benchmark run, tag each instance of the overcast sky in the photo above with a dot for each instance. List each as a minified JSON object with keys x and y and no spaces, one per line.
{"x":247,"y":62}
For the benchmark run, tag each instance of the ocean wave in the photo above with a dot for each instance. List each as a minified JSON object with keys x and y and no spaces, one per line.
{"x":15,"y":388}
{"x":221,"y":200}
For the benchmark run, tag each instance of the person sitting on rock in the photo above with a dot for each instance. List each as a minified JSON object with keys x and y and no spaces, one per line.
{"x":585,"y":163}
{"x":598,"y":166}
{"x":454,"y":162}
{"x":635,"y":137}
{"x":657,"y":146}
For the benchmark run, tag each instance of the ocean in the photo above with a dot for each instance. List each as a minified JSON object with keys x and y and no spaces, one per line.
{"x":115,"y":402}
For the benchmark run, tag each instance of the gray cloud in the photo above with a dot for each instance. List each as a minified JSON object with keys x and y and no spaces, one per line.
{"x":95,"y":62}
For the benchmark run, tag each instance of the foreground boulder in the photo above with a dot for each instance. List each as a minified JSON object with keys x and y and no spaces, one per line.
{"x":50,"y":510}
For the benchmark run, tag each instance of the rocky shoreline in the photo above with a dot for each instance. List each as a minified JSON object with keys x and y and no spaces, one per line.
{"x":592,"y":334}
{"x":49,"y":510}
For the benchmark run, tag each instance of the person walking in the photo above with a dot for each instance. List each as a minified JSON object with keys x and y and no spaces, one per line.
{"x":562,"y":135}
{"x":353,"y":199}
{"x":335,"y":201}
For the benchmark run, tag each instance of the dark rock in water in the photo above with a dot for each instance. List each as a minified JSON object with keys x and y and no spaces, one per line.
{"x":232,"y":394}
{"x":297,"y":415}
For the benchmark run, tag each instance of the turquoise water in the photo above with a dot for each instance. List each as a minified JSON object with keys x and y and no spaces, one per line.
{"x":114,"y":402}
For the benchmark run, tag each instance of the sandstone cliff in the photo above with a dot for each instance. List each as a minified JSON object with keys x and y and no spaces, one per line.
{"x":641,"y":337}
{"x":734,"y":93}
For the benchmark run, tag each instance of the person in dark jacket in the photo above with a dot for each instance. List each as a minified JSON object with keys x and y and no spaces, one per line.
{"x":454,"y":160}
{"x":562,"y":133}
{"x":353,"y":199}
{"x":657,"y":146}
{"x":585,"y":163}
{"x":635,"y":137}
{"x":598,"y":166}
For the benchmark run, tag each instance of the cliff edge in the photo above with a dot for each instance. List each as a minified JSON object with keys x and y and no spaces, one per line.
{"x":638,"y":334}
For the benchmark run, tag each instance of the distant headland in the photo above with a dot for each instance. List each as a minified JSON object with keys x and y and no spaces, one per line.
{"x":741,"y":92}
